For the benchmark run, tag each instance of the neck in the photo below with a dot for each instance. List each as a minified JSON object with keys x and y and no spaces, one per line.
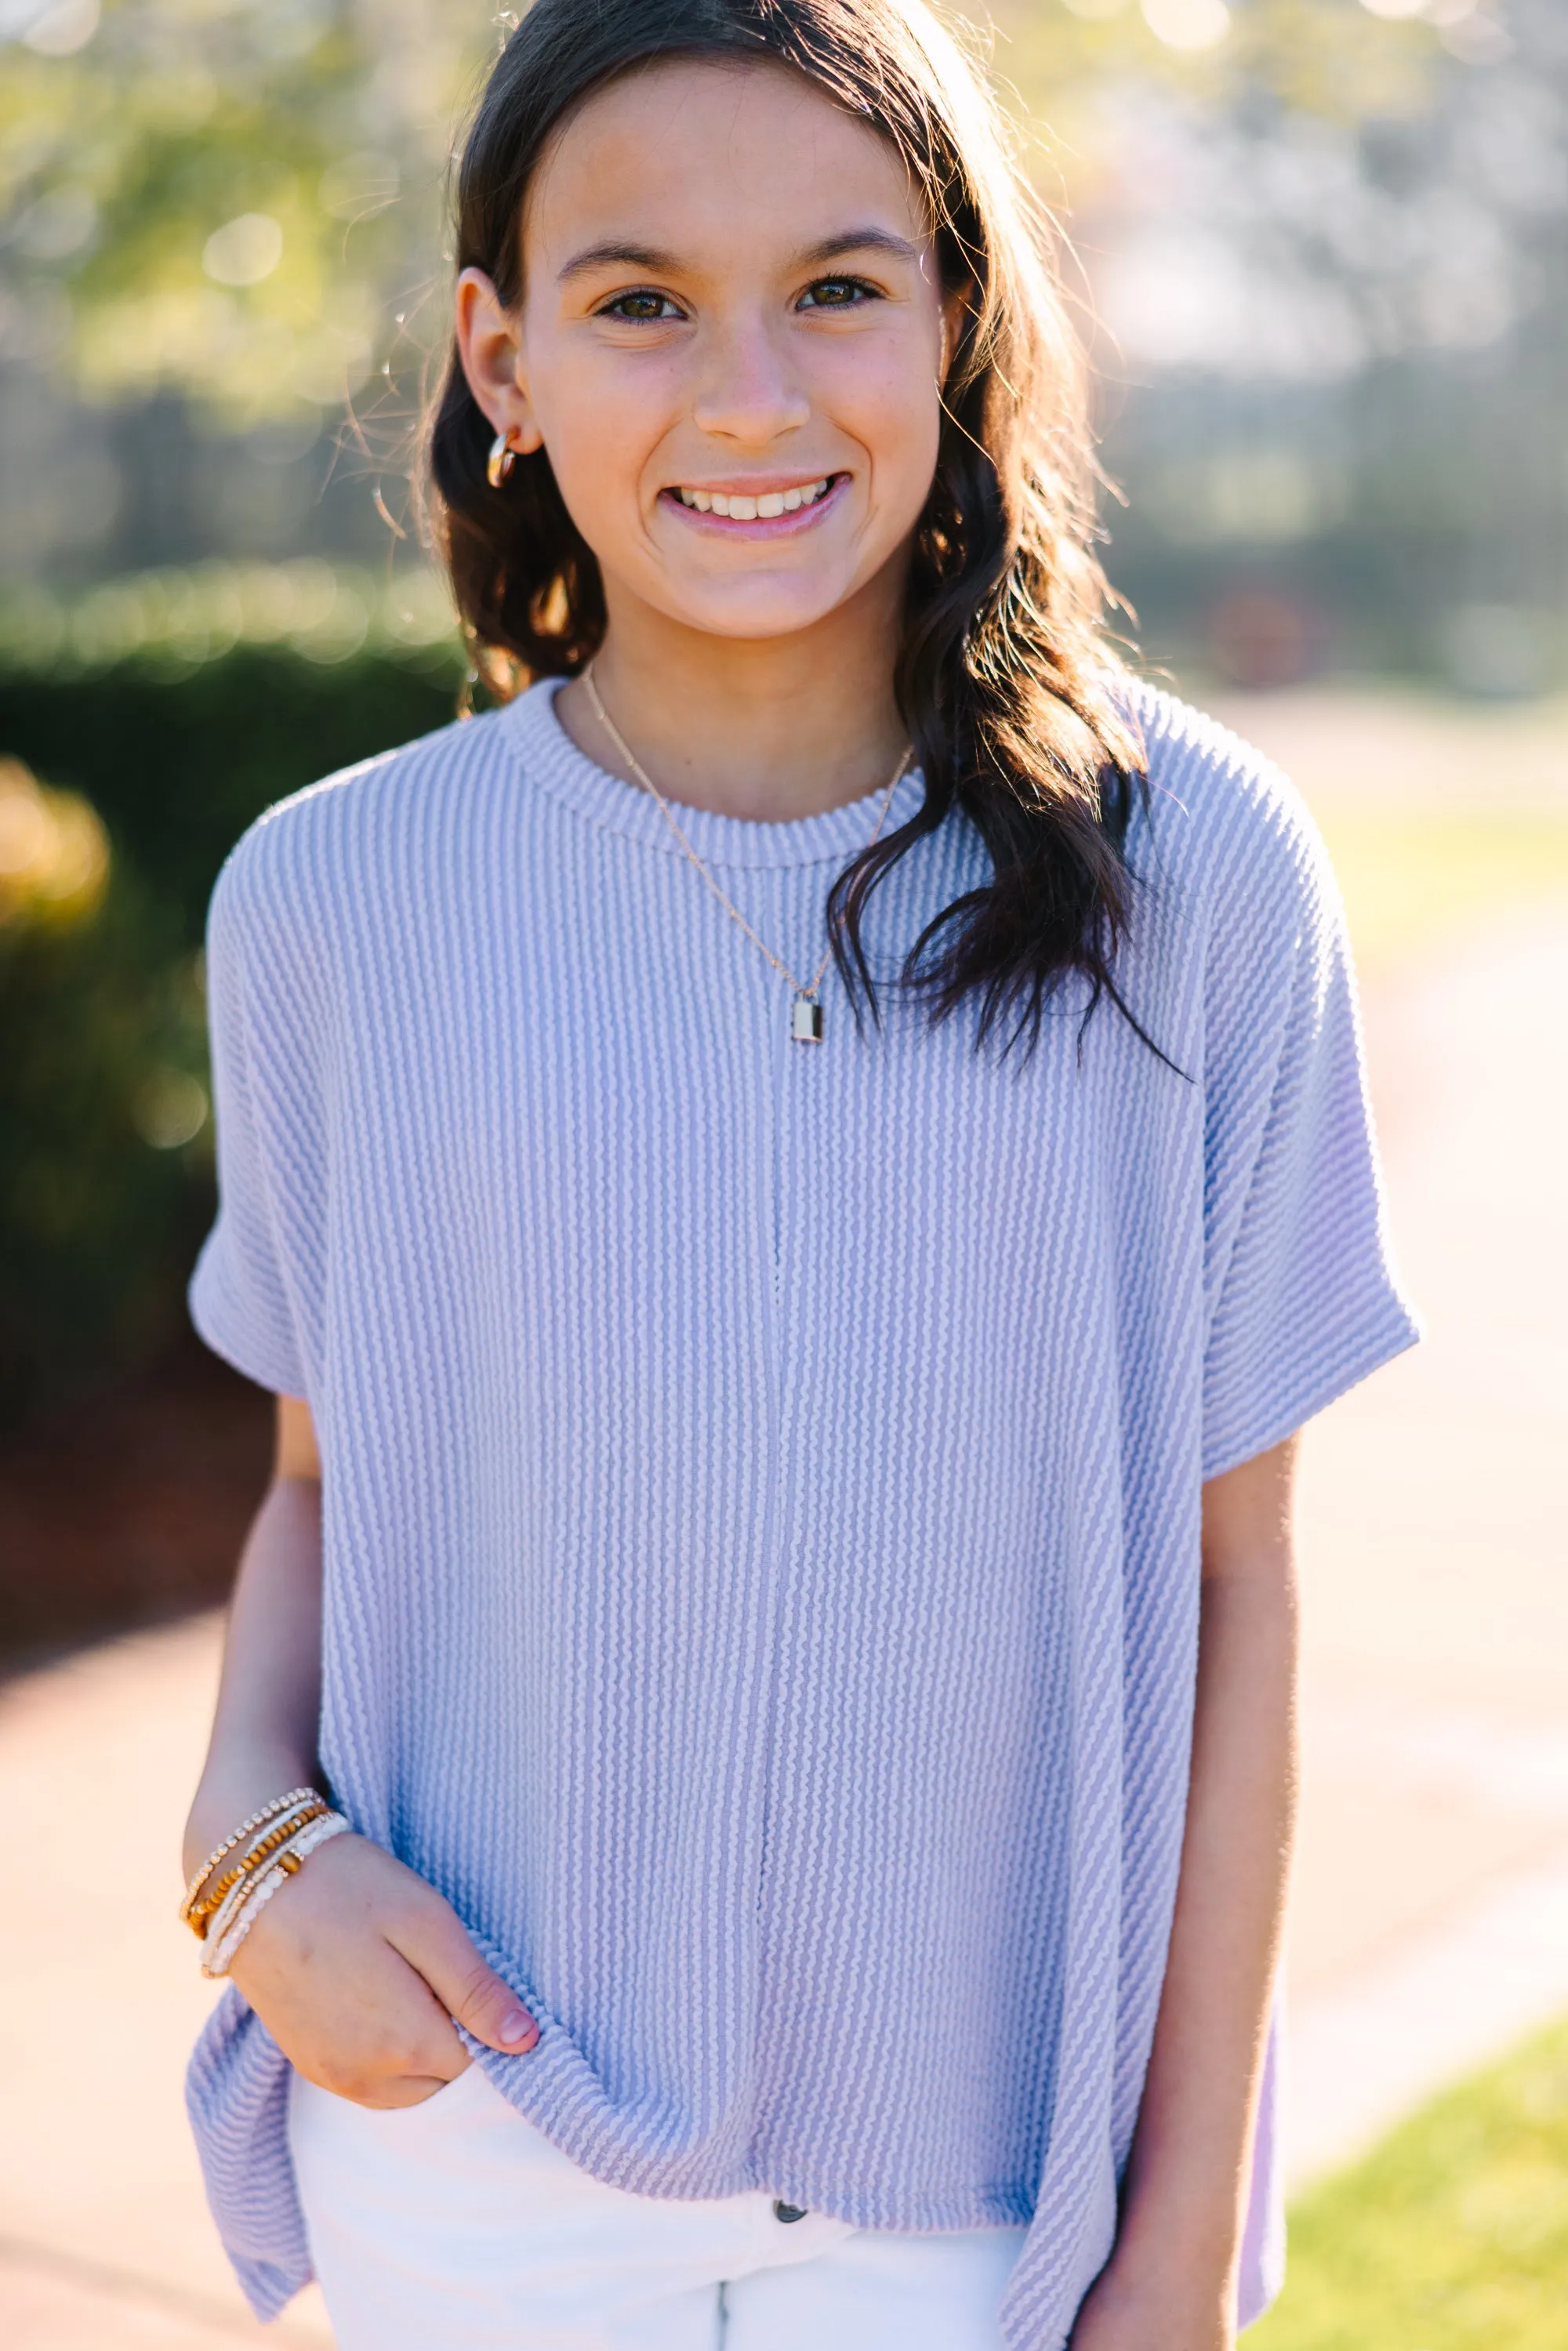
{"x":767,"y":729}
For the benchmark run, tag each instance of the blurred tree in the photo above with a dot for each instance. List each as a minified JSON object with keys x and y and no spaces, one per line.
{"x":1326,"y":257}
{"x":1345,"y":179}
{"x":238,"y":206}
{"x":239,"y":197}
{"x":1335,"y":57}
{"x":232,"y":197}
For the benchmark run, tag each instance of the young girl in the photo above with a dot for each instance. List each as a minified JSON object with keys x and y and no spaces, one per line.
{"x":793,"y":1188}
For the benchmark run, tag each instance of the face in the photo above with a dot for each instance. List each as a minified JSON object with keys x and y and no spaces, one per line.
{"x":731,"y":343}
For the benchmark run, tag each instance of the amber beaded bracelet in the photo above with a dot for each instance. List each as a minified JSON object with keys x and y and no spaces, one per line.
{"x":200,"y":1917}
{"x":287,"y":1803}
{"x":251,"y":1897}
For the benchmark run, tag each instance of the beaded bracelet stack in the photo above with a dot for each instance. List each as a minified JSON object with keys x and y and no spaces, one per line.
{"x":219,"y":1911}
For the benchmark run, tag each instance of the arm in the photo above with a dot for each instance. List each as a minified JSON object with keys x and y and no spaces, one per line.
{"x":263,"y":1732}
{"x":1170,"y":2284}
{"x":357,"y":1966}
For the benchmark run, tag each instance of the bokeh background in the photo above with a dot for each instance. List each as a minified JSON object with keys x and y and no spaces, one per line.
{"x":1321,"y":250}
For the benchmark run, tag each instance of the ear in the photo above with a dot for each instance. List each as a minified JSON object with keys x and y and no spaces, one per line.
{"x":490,"y":348}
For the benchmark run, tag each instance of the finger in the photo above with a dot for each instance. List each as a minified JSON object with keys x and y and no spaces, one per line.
{"x":433,"y":1940}
{"x":368,"y":2028}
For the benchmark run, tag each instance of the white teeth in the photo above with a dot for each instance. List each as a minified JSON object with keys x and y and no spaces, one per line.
{"x":768,"y":504}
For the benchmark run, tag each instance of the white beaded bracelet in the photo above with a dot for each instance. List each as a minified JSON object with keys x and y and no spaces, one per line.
{"x":259,"y":1891}
{"x":271,"y":1841}
{"x":268,"y":1813}
{"x":240,"y":1893}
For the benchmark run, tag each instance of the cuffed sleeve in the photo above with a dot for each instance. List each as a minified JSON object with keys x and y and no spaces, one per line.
{"x":1301,"y":1300}
{"x":239,"y":1295}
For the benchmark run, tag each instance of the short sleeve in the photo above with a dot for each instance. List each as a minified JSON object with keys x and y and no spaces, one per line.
{"x":239,"y":1296}
{"x":1301,"y":1299}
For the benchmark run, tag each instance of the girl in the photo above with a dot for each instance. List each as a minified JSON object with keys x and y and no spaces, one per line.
{"x":793,"y":1188}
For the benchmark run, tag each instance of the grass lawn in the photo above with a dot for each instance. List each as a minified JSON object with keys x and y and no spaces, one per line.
{"x":1451,"y":2236}
{"x":1412,"y":878}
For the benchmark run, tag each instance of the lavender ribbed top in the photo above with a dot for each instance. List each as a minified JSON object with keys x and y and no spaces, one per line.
{"x":762,"y":1479}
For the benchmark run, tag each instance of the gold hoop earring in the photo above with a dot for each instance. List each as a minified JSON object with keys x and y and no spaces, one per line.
{"x":501,"y":459}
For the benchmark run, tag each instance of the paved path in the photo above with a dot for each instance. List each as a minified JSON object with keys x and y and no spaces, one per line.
{"x":1430,"y":1922}
{"x":1379,"y":746}
{"x":104,"y":2235}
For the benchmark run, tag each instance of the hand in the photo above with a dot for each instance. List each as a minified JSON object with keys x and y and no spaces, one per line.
{"x":1144,"y":2309}
{"x":357,"y":1968}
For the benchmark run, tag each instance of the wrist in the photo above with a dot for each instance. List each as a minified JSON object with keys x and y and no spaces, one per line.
{"x":1191,"y":2268}
{"x":1151,"y":2313}
{"x":1182,"y":2206}
{"x":231,"y":1795}
{"x":1150,"y":2294}
{"x":1190,"y":2240}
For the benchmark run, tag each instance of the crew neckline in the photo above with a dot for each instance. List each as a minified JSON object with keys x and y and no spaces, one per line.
{"x":551,"y":758}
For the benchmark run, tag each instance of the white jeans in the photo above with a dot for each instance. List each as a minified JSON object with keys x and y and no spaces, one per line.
{"x":456,"y":2226}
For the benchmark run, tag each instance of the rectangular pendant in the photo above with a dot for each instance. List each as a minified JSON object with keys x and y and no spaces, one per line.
{"x":806,"y":1021}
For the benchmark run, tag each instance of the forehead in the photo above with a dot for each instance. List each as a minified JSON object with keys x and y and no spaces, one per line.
{"x":713,"y":159}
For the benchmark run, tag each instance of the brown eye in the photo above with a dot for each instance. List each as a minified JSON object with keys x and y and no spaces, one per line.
{"x":640,"y":307}
{"x":836,"y":294}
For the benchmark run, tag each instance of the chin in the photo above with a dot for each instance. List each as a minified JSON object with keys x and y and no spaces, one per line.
{"x":729,"y":610}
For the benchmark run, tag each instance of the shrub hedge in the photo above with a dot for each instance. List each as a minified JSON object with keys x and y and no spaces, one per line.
{"x":178,"y":706}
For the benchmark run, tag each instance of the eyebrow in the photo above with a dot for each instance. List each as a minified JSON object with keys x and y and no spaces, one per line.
{"x":616,"y":252}
{"x":862,"y":240}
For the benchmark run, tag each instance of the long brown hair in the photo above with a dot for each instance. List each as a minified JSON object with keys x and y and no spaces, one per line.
{"x":1013,"y":699}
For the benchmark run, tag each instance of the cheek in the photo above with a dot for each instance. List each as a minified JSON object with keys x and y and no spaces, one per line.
{"x":885,"y":398}
{"x":602,"y":426}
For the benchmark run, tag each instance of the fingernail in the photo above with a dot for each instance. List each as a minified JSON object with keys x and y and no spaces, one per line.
{"x":516,"y":2025}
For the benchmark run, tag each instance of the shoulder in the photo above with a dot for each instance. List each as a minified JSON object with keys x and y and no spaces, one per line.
{"x":1226,"y":824}
{"x":346,"y":816}
{"x":323,"y":845}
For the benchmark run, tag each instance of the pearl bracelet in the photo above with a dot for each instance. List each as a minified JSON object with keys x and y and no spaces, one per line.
{"x":255,"y":1893}
{"x":287,"y":1803}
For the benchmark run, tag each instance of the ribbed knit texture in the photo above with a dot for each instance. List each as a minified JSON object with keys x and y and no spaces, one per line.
{"x":762,"y":1479}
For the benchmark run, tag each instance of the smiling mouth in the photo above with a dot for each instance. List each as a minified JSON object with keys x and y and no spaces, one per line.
{"x":764,"y":506}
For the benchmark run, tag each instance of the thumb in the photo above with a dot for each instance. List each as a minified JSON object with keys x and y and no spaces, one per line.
{"x":473,"y":1994}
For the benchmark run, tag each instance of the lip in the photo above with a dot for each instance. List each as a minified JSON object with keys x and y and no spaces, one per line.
{"x":771,"y":527}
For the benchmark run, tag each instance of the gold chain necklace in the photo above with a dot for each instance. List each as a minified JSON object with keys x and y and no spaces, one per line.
{"x":806,"y":1012}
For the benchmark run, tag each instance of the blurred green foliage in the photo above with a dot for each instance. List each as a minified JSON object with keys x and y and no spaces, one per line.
{"x":104,"y":1155}
{"x":182,"y":704}
{"x":172,"y":709}
{"x":230,"y":195}
{"x":245,"y":198}
{"x":1452,"y":2236}
{"x":1329,"y":57}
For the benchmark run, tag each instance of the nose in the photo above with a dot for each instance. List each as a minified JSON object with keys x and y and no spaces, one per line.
{"x":749,"y":392}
